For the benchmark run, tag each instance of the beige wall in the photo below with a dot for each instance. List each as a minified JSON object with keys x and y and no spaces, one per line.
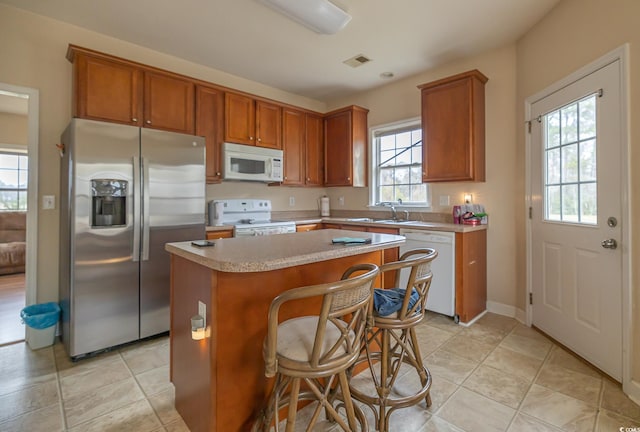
{"x":401,"y":100}
{"x":574,"y":34}
{"x":13,"y":129}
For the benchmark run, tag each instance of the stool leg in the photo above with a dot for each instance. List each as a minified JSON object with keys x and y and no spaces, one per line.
{"x":293,"y":405}
{"x":348,"y":402}
{"x":424,"y":378}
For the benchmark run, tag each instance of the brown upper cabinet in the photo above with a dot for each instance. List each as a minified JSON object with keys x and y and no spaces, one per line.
{"x":252,"y":122}
{"x":110,"y":89}
{"x":210,"y":124}
{"x":453,"y":128}
{"x":302,"y":146}
{"x":345,"y":147}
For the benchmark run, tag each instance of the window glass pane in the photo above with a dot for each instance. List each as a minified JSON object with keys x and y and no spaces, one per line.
{"x":589,"y":203}
{"x":403,"y":140}
{"x":588,"y":160}
{"x":22,"y":200}
{"x":8,"y":161}
{"x":388,"y":142}
{"x":570,"y":163}
{"x":553,"y":129}
{"x":569,"y":124}
{"x":386,"y":176}
{"x":8,"y":200}
{"x":419,"y":193}
{"x":386,"y":193}
{"x":402,"y":175}
{"x":570,"y":203}
{"x":387,"y":158}
{"x":404,"y":158}
{"x":588,"y":118}
{"x":416,"y":176}
{"x":8,"y":178}
{"x":553,"y":203}
{"x":553,"y":166}
{"x":403,"y":193}
{"x":22,"y":179}
{"x":416,"y":154}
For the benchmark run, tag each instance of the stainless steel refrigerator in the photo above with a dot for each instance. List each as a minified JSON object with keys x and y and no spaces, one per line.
{"x":125,"y":192}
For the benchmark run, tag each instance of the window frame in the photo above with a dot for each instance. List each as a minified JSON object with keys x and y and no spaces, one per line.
{"x":374,"y":161}
{"x":4,"y":150}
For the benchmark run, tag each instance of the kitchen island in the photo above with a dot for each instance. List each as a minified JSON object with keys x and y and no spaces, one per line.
{"x":219,"y":380}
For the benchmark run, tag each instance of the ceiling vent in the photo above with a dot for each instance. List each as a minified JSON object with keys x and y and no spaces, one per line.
{"x":356,"y":61}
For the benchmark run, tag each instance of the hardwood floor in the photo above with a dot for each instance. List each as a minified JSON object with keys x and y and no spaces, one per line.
{"x":12,"y":300}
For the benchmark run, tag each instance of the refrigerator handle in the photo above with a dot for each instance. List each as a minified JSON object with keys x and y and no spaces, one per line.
{"x":145,"y":210}
{"x":135,"y":253}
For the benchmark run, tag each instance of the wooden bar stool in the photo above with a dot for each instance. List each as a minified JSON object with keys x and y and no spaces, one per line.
{"x":392,"y":341}
{"x":317,"y":350}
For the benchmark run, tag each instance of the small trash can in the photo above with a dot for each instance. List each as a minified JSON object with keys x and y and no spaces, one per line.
{"x":41,"y":320}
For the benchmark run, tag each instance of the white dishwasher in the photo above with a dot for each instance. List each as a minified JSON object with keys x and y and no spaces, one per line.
{"x":442,"y":293}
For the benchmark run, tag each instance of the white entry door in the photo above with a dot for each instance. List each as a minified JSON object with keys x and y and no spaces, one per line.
{"x":576,"y":215}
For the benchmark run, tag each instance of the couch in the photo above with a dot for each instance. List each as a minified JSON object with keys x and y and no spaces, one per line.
{"x":13,"y":230}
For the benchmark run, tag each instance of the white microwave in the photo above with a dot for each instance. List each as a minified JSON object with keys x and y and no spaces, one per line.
{"x":244,"y":162}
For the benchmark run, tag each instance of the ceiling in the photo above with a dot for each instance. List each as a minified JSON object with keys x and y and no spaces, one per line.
{"x":249,"y":40}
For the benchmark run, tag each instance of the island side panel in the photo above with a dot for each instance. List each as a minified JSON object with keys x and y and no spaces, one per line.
{"x":243,"y":304}
{"x":191,"y":363}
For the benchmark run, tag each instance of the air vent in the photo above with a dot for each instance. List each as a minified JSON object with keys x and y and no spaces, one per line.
{"x":358,"y":60}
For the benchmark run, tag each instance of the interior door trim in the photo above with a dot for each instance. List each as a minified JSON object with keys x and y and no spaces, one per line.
{"x":621,"y":54}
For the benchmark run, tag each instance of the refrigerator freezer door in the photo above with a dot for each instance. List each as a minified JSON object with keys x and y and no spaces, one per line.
{"x":173,"y":200}
{"x":104,"y":279}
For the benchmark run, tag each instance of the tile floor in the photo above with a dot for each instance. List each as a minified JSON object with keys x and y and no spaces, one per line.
{"x":496,"y":375}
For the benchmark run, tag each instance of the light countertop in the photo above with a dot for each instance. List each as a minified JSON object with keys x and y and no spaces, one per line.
{"x":430,"y":226}
{"x":265,"y":253}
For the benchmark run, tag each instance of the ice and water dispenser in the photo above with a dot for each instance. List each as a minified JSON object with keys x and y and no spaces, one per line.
{"x":108,"y":203}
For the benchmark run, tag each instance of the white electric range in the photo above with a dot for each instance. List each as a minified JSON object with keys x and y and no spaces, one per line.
{"x":252,"y":217}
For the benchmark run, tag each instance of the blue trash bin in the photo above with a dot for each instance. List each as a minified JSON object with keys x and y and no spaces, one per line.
{"x":41,"y":320}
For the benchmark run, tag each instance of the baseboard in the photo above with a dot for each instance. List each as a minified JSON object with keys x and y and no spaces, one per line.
{"x":632,"y":389}
{"x":501,"y":309}
{"x":521,"y":316}
{"x":467,"y":324}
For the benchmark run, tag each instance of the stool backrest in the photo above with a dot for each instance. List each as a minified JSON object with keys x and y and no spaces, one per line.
{"x":418,"y":261}
{"x":345,"y":304}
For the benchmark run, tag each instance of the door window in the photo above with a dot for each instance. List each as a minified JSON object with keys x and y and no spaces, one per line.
{"x":570,"y":185}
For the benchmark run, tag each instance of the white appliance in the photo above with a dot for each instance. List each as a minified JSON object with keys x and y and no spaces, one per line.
{"x":251,"y":163}
{"x":252,"y":217}
{"x":442,"y":293}
{"x":216,"y":213}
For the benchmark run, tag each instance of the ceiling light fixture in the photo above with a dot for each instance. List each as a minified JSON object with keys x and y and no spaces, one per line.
{"x":321,"y":16}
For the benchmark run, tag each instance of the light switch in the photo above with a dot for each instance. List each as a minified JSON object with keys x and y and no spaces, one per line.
{"x":48,"y":202}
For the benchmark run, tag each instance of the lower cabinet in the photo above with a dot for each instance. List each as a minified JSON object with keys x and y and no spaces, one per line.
{"x":219,"y":234}
{"x":307,"y":227}
{"x":471,"y":274}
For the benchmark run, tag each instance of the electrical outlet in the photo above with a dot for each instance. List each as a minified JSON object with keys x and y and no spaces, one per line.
{"x":292,"y":201}
{"x":444,"y":200}
{"x":48,"y":202}
{"x":341,"y":201}
{"x":202,"y":311}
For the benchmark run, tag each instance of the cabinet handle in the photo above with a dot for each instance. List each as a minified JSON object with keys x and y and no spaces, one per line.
{"x":348,"y":178}
{"x":308,"y":179}
{"x":148,"y":121}
{"x":259,"y":139}
{"x":218,"y":174}
{"x":251,"y":138}
{"x":134,"y":120}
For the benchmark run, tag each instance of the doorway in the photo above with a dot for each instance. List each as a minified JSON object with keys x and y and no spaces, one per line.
{"x":19,"y":212}
{"x":578,"y":214}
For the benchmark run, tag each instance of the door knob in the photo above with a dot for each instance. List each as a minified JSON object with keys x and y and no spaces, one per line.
{"x":609,"y":244}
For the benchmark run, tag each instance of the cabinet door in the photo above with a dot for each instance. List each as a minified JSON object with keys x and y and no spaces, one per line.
{"x":453,"y":128}
{"x":239,"y":115}
{"x":314,"y":151}
{"x":219,"y":234}
{"x":210,"y":124}
{"x":306,"y":227}
{"x":268,"y":125}
{"x":293,"y":123}
{"x":390,"y":255}
{"x":471,"y":274}
{"x":169,"y":103}
{"x":107,"y":90}
{"x":337,"y":149}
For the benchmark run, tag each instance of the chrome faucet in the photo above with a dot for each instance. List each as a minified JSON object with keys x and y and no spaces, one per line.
{"x":394,"y":213}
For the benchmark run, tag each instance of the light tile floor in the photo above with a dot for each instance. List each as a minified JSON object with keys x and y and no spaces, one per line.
{"x":496,"y":375}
